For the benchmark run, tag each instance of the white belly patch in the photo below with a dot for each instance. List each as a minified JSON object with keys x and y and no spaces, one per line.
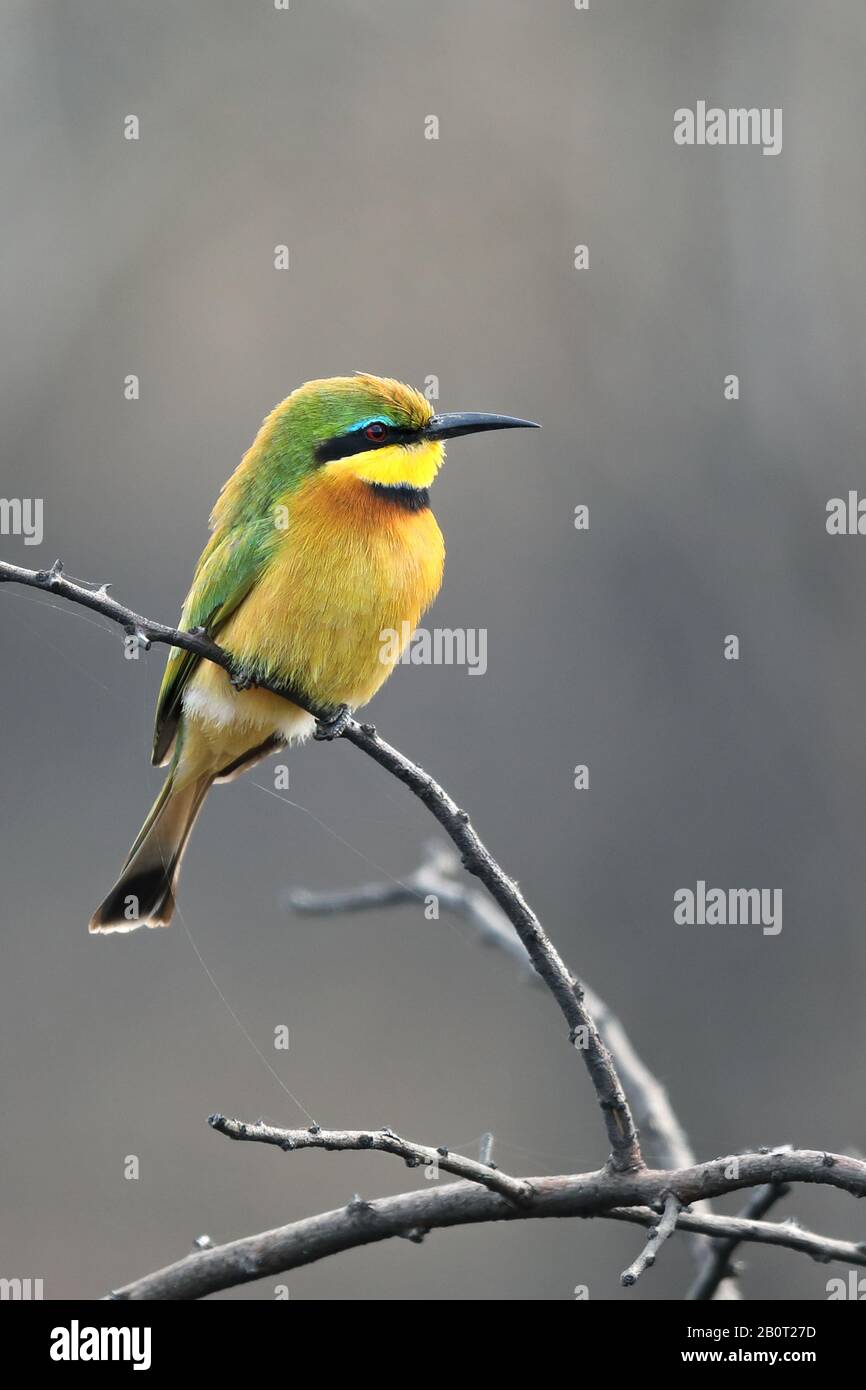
{"x":224,"y":708}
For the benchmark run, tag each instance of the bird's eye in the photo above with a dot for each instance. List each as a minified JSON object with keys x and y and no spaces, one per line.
{"x":376,"y":431}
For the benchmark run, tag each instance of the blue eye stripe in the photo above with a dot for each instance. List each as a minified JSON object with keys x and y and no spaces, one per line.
{"x":372,"y":420}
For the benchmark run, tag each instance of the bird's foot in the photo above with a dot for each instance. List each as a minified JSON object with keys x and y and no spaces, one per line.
{"x":333,"y":724}
{"x":243,"y":679}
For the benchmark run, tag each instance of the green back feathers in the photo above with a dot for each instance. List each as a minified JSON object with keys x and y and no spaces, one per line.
{"x":226,"y":572}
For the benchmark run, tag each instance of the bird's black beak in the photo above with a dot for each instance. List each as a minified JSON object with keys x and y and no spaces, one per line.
{"x":457,"y":422}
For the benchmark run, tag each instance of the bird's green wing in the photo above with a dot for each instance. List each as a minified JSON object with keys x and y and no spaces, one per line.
{"x":228,"y":569}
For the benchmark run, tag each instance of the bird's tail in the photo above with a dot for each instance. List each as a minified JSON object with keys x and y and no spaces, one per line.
{"x":143,"y":896}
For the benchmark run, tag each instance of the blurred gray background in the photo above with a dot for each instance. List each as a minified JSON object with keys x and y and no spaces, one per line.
{"x":454,"y":257}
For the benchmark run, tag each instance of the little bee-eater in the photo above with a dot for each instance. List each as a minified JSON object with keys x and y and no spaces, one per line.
{"x":323,"y":541}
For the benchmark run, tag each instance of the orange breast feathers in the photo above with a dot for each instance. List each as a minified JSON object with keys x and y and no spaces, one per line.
{"x":350,"y":567}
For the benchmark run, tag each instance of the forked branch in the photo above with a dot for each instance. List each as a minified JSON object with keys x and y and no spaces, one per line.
{"x":634,"y":1197}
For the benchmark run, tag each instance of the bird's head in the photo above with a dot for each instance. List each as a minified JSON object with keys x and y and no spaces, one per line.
{"x":369,"y":428}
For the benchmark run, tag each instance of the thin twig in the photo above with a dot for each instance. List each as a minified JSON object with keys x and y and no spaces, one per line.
{"x":485,"y":1149}
{"x":476,"y":858}
{"x":717,"y":1265}
{"x":737,"y":1229}
{"x":656,"y":1237}
{"x":516,"y":1190}
{"x":433,"y":878}
{"x":619,"y":1196}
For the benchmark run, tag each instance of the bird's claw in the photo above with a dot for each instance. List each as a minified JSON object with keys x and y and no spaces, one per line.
{"x":332,"y":725}
{"x":242,"y":680}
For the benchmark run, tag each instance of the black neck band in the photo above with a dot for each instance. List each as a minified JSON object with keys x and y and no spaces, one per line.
{"x":409,"y":499}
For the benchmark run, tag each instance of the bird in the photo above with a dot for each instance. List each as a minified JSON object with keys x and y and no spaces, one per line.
{"x":322,"y":540}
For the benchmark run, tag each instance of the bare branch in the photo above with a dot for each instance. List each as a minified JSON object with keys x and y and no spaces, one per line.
{"x":656,"y":1237}
{"x":476,"y":858}
{"x":516,"y":1190}
{"x":605,"y":1193}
